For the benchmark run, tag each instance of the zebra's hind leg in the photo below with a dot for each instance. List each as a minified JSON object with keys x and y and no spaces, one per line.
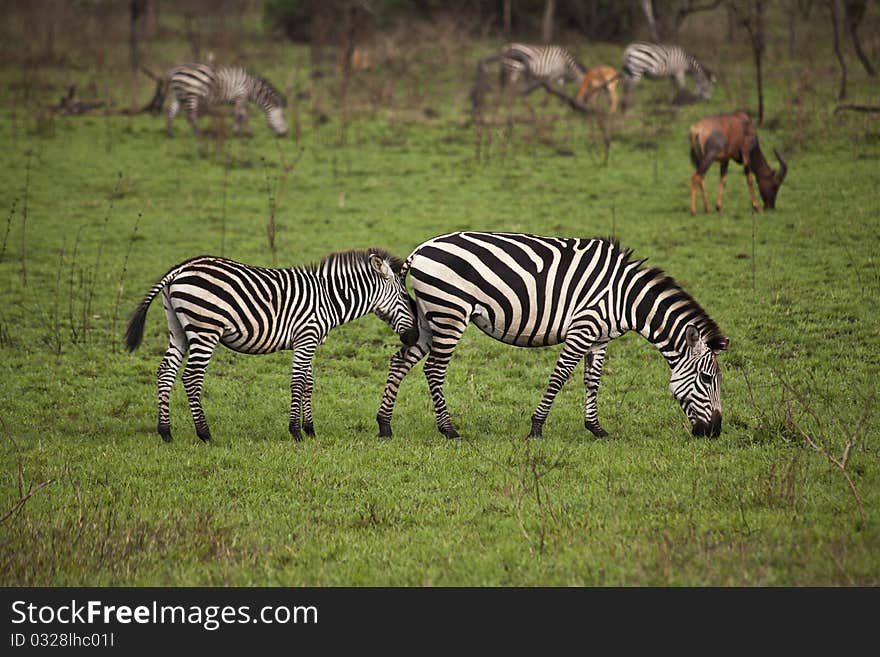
{"x":402,"y":362}
{"x":201,"y":346}
{"x":571,"y":355}
{"x":592,"y":373}
{"x":167,"y":372}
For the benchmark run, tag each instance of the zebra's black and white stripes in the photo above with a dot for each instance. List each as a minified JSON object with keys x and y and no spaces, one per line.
{"x":256,"y":310}
{"x":537,"y":64}
{"x":533,"y":291}
{"x":197,"y":86}
{"x":655,"y":60}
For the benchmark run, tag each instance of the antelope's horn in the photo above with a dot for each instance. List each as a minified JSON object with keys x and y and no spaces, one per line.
{"x":783,"y":167}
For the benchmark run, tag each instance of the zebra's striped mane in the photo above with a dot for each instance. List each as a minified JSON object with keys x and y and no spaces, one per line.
{"x":362,"y":256}
{"x":711,"y":332}
{"x":268,"y":86}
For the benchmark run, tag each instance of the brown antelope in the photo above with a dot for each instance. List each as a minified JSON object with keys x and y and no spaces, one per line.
{"x":597,"y":78}
{"x":732,"y":137}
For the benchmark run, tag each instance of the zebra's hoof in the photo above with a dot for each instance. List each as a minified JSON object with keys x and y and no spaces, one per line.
{"x":165,"y":431}
{"x":450,"y":433}
{"x":295,"y":432}
{"x":537,"y":427}
{"x":384,"y":429}
{"x":309,"y":429}
{"x":205,"y":436}
{"x":596,"y":430}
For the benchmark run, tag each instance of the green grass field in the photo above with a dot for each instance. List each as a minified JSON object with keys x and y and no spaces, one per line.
{"x":98,"y":207}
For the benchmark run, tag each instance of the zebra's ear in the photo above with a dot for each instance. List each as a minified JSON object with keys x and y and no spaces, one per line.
{"x":692,"y":337}
{"x":719,"y":344}
{"x":381,"y":267}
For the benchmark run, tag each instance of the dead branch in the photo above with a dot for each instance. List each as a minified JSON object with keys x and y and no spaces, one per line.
{"x":572,"y":102}
{"x":857,"y":108}
{"x":31,"y":492}
{"x":816,"y":445}
{"x":70,"y":104}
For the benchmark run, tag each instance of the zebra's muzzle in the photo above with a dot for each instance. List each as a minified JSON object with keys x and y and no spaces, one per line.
{"x":712,"y":428}
{"x":410,"y":336}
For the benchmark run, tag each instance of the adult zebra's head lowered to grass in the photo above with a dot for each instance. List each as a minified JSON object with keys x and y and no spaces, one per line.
{"x":537,"y":291}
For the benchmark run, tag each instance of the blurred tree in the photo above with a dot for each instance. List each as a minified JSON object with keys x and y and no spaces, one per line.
{"x":665,"y":17}
{"x":548,"y":20}
{"x":750,"y":14}
{"x":855,"y":12}
{"x":834,"y":10}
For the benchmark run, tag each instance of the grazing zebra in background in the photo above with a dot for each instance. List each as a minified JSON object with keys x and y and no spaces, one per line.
{"x":533,"y":64}
{"x":533,"y":291}
{"x":198,"y":86}
{"x":254,"y":310}
{"x":552,"y":64}
{"x":657,"y":61}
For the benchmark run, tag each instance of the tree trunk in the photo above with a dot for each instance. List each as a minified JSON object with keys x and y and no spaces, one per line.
{"x":507,"y":16}
{"x":136,"y":8}
{"x":648,"y":10}
{"x":855,"y":11}
{"x":548,"y":20}
{"x":753,"y":20}
{"x":835,"y":19}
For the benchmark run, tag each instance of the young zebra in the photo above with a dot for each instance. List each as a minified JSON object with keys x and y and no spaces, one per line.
{"x":254,"y":310}
{"x":533,"y":291}
{"x":657,"y":61}
{"x":198,"y":86}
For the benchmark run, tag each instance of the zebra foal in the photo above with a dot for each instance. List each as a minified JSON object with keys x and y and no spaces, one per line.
{"x":532,"y":291}
{"x":199,"y":86}
{"x":256,"y":310}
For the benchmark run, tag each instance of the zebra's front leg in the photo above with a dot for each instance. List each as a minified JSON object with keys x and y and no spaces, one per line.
{"x":192,"y":113}
{"x":173,"y":109}
{"x":200,"y":350}
{"x":308,"y":424}
{"x":435,"y":372}
{"x":571,"y":355}
{"x":402,"y":362}
{"x":302,"y":362}
{"x":592,"y":373}
{"x":240,"y":116}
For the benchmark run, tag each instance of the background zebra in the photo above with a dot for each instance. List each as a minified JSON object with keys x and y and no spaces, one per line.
{"x":255,"y":310}
{"x":552,"y":64}
{"x":198,"y":86}
{"x":533,"y":64}
{"x":656,"y":61}
{"x":533,"y":291}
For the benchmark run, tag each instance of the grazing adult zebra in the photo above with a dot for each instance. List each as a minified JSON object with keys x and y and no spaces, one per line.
{"x":197,"y":86}
{"x":654,"y":60}
{"x":533,"y":64}
{"x":539,"y":64}
{"x":533,"y":291}
{"x":255,"y":310}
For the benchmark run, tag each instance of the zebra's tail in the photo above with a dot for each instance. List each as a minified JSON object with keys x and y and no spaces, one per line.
{"x":134,"y":334}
